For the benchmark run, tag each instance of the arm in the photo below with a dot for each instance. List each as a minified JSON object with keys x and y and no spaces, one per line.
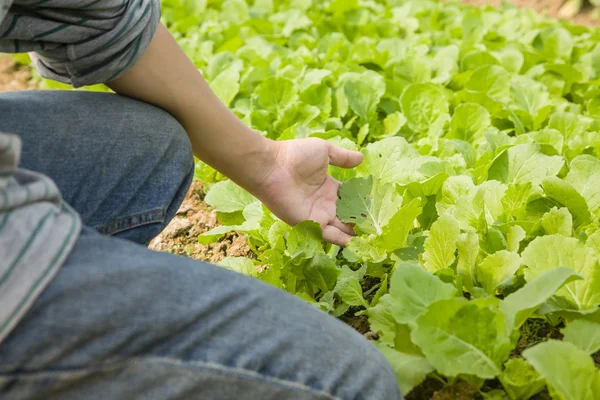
{"x":289,"y":177}
{"x":165,"y":77}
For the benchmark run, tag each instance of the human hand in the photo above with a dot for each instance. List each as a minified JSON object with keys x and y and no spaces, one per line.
{"x":297,"y":186}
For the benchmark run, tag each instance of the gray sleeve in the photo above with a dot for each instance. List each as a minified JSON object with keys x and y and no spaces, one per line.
{"x":81,"y":42}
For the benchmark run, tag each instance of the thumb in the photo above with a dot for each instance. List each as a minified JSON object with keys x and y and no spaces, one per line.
{"x":344,"y":158}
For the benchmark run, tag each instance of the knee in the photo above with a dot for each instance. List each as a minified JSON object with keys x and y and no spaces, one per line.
{"x":178,"y":146}
{"x":364,"y":373}
{"x":164,"y":135}
{"x":383,"y":383}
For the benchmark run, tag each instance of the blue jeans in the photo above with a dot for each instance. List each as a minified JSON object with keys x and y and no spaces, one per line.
{"x":122,"y":322}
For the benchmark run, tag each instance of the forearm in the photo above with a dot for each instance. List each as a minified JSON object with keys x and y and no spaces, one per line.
{"x":165,"y":77}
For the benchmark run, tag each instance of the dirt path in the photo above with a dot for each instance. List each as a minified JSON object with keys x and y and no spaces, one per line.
{"x":193,"y":218}
{"x":548,"y":7}
{"x":13,"y":76}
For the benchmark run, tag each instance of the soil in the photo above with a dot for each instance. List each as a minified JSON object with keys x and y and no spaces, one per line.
{"x":14,"y":76}
{"x":193,"y":218}
{"x":551,"y":8}
{"x":533,"y":332}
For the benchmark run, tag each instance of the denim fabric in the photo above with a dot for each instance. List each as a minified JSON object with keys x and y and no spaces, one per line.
{"x":122,"y":322}
{"x":120,"y":163}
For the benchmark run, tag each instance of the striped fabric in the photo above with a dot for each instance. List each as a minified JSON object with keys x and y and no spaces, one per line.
{"x":80,"y":42}
{"x":37,"y":232}
{"x":73,"y":41}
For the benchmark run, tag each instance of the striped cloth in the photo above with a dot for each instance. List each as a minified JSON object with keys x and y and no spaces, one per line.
{"x":36,"y":234}
{"x":79,"y":42}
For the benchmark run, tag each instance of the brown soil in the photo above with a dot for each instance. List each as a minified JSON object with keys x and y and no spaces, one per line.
{"x":14,"y":76}
{"x":193,"y":218}
{"x":359,"y":323}
{"x":433,"y":389}
{"x":551,"y":8}
{"x":533,"y":332}
{"x":459,"y":391}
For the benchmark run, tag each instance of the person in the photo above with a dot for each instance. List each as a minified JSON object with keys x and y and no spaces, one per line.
{"x":88,"y":179}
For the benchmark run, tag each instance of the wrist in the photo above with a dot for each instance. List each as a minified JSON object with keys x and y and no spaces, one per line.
{"x":255,"y":164}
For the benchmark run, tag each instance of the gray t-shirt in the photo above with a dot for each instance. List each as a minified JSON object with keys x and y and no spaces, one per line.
{"x":80,"y":42}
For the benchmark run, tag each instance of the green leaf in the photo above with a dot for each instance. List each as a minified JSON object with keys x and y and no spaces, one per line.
{"x":583,"y":334}
{"x":469,"y":122}
{"x":491,"y":80}
{"x":275,"y":94}
{"x":383,"y":289}
{"x":276,"y":235}
{"x":511,"y":59}
{"x":349,"y":289}
{"x":575,"y":377}
{"x":368,"y":204}
{"x":546,"y":253}
{"x":556,"y":42}
{"x":228,"y":197}
{"x":383,"y":156}
{"x":455,"y":189}
{"x":411,"y":369}
{"x":564,"y":194}
{"x":475,"y":59}
{"x":516,"y":198}
{"x":395,"y":233}
{"x":239,"y":264}
{"x":584,"y":176}
{"x":382,"y":321}
{"x":549,"y":137}
{"x":393,"y":123}
{"x":215,"y":234}
{"x":440,"y":245}
{"x":524,"y":163}
{"x":520,"y":305}
{"x":514,"y":237}
{"x":558,"y":221}
{"x":520,"y":380}
{"x":365,"y":249}
{"x":497,"y":269}
{"x":252,"y":217}
{"x":305,"y":240}
{"x":566,"y":123}
{"x":468,"y":250}
{"x":322,"y":272}
{"x":422,"y":104}
{"x":463,"y":337}
{"x":235,"y":11}
{"x":364,"y":94}
{"x":413,"y":289}
{"x":227,"y":84}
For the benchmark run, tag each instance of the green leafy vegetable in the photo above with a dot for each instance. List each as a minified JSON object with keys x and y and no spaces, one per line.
{"x":463,"y":337}
{"x":440,"y":245}
{"x":520,"y":380}
{"x":583,"y":334}
{"x":575,"y":377}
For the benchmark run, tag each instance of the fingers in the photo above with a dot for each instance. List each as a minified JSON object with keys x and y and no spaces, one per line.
{"x":333,"y":235}
{"x":347,"y":229}
{"x":344,"y":158}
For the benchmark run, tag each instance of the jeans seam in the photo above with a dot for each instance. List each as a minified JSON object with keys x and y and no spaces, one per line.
{"x":172,"y":362}
{"x":120,"y":224}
